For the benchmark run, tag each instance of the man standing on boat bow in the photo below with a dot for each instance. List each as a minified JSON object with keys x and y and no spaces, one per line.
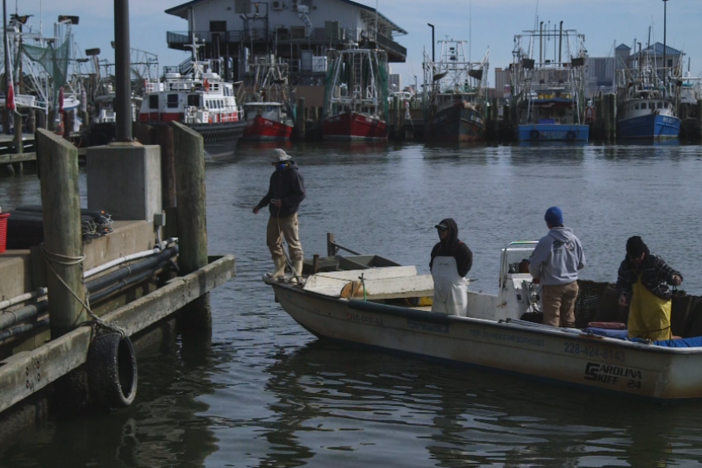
{"x":285,"y":193}
{"x":451,"y":260}
{"x":554,"y":263}
{"x":642,"y":282}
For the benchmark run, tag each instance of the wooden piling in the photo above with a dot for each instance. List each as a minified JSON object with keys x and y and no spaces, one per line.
{"x":331,"y":249}
{"x":698,"y":132}
{"x":189,"y":151}
{"x":58,"y":166}
{"x":164,"y":138}
{"x":300,"y":119}
{"x":19,"y":147}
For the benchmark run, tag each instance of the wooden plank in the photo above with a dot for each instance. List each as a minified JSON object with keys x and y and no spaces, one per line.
{"x":371,"y":273}
{"x":17,"y":157}
{"x":27,"y":372}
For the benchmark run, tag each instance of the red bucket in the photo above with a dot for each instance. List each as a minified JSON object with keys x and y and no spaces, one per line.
{"x":3,"y":231}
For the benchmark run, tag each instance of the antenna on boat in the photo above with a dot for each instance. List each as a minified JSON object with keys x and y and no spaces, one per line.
{"x":376,"y":21}
{"x":470,"y":28}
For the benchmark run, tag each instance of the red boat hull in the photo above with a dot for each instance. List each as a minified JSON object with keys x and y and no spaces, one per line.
{"x":260,"y":129}
{"x":354,"y":126}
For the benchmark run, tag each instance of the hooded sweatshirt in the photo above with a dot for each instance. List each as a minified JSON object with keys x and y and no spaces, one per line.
{"x":557,"y":257}
{"x":288,"y":186}
{"x":453,"y":247}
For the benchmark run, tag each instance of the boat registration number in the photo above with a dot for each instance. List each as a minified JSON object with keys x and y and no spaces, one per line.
{"x":594,"y":351}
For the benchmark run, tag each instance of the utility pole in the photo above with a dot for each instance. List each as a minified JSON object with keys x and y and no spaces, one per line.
{"x":123,"y":74}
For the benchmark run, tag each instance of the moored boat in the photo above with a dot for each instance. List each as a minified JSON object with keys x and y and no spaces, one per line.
{"x":549,"y":94}
{"x":356,"y":95}
{"x":455,"y":108}
{"x":386,"y":308}
{"x":267,"y":121}
{"x":200,"y":99}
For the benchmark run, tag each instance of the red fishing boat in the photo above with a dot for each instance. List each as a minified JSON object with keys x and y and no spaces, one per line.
{"x":267,"y":121}
{"x":356,"y":95}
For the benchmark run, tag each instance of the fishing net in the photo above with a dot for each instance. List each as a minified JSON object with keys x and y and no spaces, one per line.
{"x":54,"y":61}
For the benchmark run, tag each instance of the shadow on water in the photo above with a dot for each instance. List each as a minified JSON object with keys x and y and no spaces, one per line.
{"x":457,"y":417}
{"x":162,"y":428}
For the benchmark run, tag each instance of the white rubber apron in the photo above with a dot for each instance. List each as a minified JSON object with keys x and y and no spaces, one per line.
{"x":450,"y":289}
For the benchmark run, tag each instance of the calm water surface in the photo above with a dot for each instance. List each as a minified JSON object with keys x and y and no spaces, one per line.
{"x":265,"y":393}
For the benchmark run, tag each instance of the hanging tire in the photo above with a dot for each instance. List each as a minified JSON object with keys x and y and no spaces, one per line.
{"x":534,"y":134}
{"x":112,"y":371}
{"x":571,"y":135}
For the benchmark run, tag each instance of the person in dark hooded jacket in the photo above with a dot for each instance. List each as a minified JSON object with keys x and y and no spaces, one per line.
{"x":450,"y":261}
{"x":285,"y":193}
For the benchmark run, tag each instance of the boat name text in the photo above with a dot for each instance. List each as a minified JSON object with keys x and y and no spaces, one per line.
{"x":426,"y":326}
{"x":609,"y":374}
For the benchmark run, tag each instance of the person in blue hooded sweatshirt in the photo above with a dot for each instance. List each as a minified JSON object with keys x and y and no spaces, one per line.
{"x":554,"y":264}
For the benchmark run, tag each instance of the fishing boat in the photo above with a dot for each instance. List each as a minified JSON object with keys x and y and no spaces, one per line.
{"x":455,"y":109}
{"x":269,"y":114}
{"x":200,"y":99}
{"x":370,"y":301}
{"x":356,"y":95}
{"x":549,"y":94}
{"x":647,"y":104}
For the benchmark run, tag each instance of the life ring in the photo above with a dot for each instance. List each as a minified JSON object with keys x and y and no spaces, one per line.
{"x":571,"y":135}
{"x":534,"y":134}
{"x":206,"y":85}
{"x":112,"y":371}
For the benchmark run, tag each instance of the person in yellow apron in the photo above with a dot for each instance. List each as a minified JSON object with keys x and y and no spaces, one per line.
{"x":451,"y":260}
{"x":642,"y":283}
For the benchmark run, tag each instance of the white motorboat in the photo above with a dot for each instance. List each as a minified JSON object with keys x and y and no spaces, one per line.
{"x":386,"y":308}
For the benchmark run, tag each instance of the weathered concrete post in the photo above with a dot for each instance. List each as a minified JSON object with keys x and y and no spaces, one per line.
{"x":192,"y":222}
{"x":63,"y":244}
{"x":300,"y":119}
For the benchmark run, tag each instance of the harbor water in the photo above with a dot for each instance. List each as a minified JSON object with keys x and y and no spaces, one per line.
{"x":266,"y":393}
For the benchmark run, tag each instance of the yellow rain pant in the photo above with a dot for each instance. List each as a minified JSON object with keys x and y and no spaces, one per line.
{"x":649,"y":315}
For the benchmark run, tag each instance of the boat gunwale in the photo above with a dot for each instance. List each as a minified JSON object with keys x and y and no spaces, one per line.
{"x":436,"y":317}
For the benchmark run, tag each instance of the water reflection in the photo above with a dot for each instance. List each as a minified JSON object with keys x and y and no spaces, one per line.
{"x":456,"y":417}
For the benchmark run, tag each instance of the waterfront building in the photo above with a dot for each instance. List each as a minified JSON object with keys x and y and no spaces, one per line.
{"x":297,"y":32}
{"x":503,"y":77}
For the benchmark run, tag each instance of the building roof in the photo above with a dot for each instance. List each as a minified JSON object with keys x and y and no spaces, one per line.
{"x":181,"y":10}
{"x":657,"y":48}
{"x":623,"y":47}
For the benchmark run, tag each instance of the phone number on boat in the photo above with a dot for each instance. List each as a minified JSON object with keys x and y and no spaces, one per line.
{"x":594,"y":351}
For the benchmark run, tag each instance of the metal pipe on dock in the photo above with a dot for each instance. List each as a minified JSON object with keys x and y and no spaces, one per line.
{"x":63,"y":244}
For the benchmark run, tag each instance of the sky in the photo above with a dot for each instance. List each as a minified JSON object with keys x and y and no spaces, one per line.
{"x":483,"y":23}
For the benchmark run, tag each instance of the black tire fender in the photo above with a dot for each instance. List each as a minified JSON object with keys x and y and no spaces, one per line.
{"x":112,"y":371}
{"x":571,"y":135}
{"x":534,"y":134}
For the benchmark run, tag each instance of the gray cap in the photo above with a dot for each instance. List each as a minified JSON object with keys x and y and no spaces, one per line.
{"x":278,"y":155}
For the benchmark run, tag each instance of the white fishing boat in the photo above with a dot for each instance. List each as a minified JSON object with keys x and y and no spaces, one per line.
{"x":200,"y":99}
{"x":387,"y":308}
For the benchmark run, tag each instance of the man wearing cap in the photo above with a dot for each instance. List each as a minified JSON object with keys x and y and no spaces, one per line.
{"x":554,"y":263}
{"x":451,"y":260}
{"x":642,"y":282}
{"x":285,"y":192}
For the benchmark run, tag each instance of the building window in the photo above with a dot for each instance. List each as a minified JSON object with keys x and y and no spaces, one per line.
{"x":242,"y":6}
{"x":218,"y":26}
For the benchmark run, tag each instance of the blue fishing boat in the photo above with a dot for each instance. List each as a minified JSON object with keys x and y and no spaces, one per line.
{"x":549,"y":93}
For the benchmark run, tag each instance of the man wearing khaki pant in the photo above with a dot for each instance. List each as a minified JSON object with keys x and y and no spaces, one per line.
{"x":554,"y":263}
{"x":285,"y":192}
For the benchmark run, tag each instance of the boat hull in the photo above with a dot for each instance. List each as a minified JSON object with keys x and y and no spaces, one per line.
{"x":649,"y":126}
{"x":354,"y":126}
{"x":455,"y":124}
{"x":220,"y":138}
{"x":553,"y":132}
{"x":262,"y":129}
{"x":543,"y":353}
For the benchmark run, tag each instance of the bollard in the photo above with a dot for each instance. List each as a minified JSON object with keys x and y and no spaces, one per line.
{"x":192,"y":223}
{"x":58,"y":166}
